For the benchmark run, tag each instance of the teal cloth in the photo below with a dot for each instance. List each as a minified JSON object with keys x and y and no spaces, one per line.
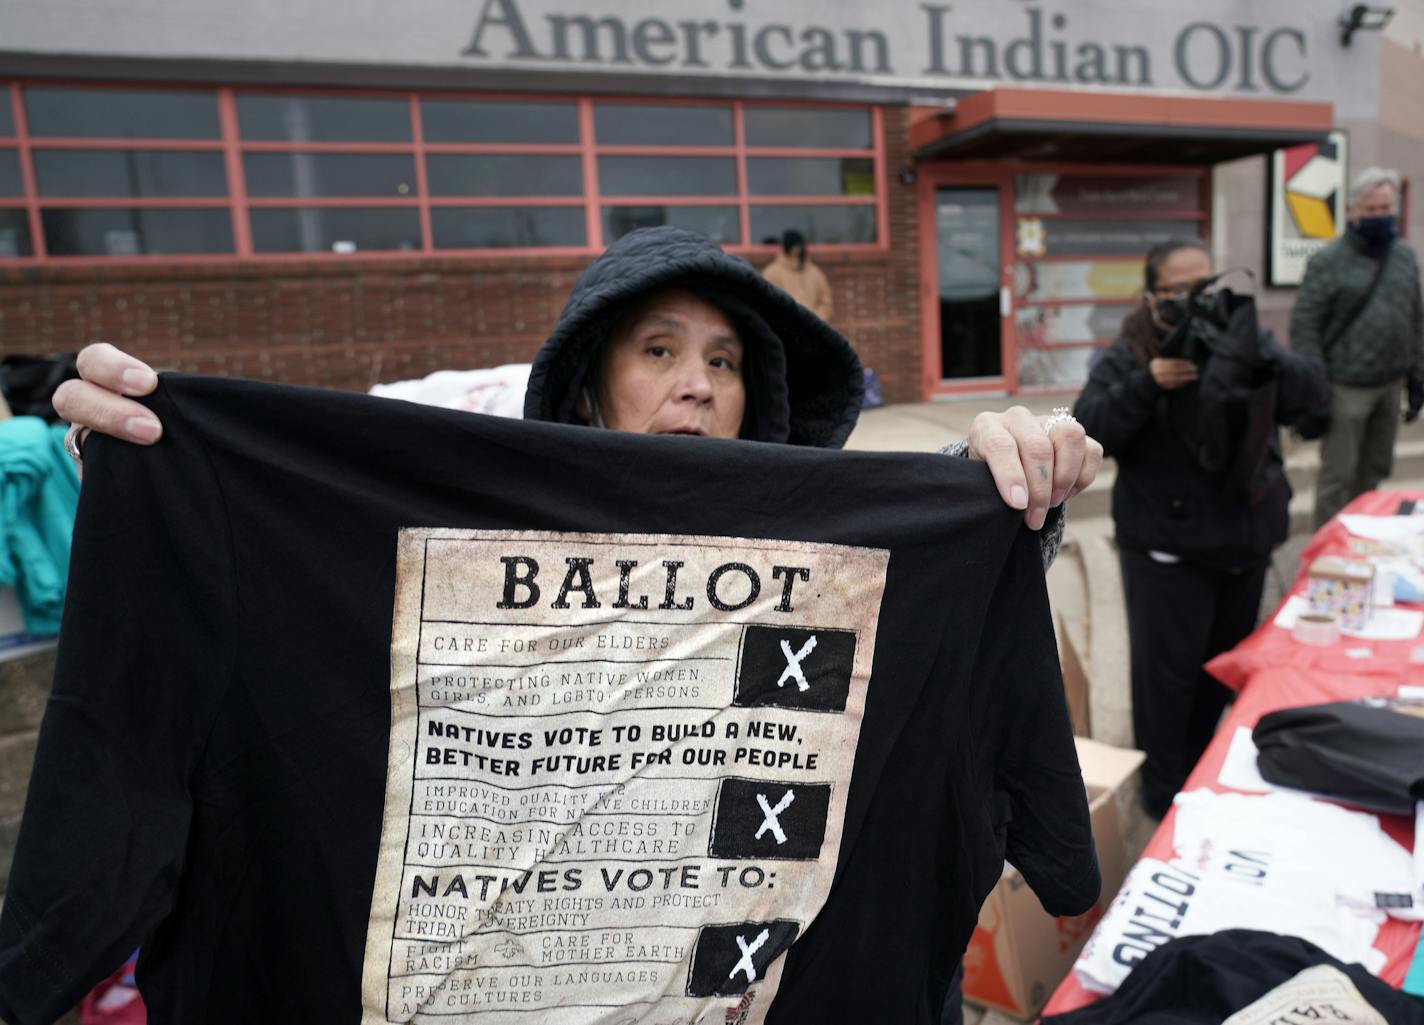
{"x":1414,"y":981}
{"x":39,"y":492}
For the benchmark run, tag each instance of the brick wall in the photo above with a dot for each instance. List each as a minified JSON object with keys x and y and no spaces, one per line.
{"x":351,"y":324}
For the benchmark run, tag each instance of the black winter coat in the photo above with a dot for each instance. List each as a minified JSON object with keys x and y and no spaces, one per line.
{"x":1164,"y":498}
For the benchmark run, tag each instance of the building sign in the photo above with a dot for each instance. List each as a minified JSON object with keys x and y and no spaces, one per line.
{"x":1260,"y":50}
{"x":1308,"y":197}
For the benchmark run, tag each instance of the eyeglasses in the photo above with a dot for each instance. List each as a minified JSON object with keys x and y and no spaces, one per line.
{"x":1183,"y":290}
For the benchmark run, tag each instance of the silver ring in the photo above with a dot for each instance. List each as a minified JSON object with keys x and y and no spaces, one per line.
{"x":1060,"y":415}
{"x":71,"y":442}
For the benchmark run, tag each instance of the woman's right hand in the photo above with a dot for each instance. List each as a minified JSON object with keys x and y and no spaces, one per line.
{"x":97,"y":400}
{"x":1172,"y":373}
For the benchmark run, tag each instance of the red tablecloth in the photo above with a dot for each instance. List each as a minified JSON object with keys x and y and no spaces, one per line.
{"x":1272,"y":671}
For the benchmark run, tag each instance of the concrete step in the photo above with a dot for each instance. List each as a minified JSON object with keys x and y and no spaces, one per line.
{"x":1302,"y":465}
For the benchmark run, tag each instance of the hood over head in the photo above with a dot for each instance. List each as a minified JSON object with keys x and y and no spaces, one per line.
{"x":803,"y":380}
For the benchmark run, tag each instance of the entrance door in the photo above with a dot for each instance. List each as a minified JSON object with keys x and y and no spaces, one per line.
{"x":966,"y":299}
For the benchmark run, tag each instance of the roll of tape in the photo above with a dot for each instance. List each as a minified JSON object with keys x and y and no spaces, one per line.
{"x":1316,"y":628}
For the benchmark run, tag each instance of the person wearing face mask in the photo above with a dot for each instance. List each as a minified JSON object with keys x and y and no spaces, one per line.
{"x":1187,"y":400}
{"x":1359,"y":312}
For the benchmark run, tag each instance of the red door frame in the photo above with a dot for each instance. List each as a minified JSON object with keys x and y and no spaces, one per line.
{"x":963,"y":175}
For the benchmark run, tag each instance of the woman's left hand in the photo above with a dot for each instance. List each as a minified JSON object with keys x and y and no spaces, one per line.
{"x":1034,"y":468}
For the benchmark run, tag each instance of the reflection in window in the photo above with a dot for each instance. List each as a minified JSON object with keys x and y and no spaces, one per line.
{"x":121,"y":113}
{"x":508,"y":227}
{"x":667,"y":176}
{"x":812,"y":128}
{"x":334,"y":229}
{"x":496,"y":121}
{"x":329,"y":174}
{"x":719,"y":223}
{"x":11,"y":184}
{"x":323,"y":118}
{"x":136,"y":232}
{"x":14,"y":234}
{"x":497,"y":175}
{"x":631,"y":124}
{"x":67,"y":172}
{"x":810,"y":176}
{"x":823,"y":224}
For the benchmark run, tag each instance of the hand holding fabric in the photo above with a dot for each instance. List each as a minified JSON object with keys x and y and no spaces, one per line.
{"x":1035,"y":468}
{"x":97,"y":402}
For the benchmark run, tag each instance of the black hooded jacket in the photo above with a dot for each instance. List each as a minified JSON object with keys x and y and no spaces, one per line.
{"x":804,"y":381}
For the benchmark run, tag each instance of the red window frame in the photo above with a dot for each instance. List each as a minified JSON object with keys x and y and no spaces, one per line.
{"x":233,"y":147}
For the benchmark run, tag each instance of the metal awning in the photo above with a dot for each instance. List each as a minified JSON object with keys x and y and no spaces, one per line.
{"x":1108,"y":127}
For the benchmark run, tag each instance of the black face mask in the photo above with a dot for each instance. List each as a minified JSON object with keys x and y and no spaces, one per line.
{"x":1378,"y":232}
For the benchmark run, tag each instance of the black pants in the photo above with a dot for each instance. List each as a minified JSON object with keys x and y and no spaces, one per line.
{"x":1179,"y":616}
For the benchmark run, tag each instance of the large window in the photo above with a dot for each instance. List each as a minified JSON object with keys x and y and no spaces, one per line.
{"x":121,"y":172}
{"x":1080,"y":240}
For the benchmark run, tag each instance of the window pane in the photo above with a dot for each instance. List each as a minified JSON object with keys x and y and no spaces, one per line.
{"x":1062,"y":236}
{"x":122,"y":113}
{"x":817,"y":223}
{"x":131,"y":232}
{"x":625,"y":124}
{"x":61,"y":172}
{"x":821,"y":129}
{"x":483,"y":121}
{"x":508,"y":227}
{"x":1078,"y":279}
{"x":667,"y":176}
{"x":323,"y":118}
{"x":719,"y":223}
{"x":14,"y":234}
{"x":1058,"y":368}
{"x":1098,"y":193}
{"x":7,"y":117}
{"x":1079,"y":322}
{"x":489,"y":175}
{"x":10,"y":182}
{"x":329,"y":174}
{"x":811,"y":176}
{"x":342,"y":230}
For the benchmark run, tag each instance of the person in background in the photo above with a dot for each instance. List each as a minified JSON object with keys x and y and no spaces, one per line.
{"x":1194,"y":531}
{"x":1359,"y":312}
{"x":792,"y":271}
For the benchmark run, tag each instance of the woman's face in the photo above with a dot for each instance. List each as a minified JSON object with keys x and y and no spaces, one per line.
{"x":1176,"y":275}
{"x":673,"y":366}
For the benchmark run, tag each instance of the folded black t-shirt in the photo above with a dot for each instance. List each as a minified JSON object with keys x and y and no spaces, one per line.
{"x":369,"y":708}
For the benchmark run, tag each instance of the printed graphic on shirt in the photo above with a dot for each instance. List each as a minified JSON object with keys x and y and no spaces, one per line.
{"x":1322,"y":993}
{"x":618,"y":772}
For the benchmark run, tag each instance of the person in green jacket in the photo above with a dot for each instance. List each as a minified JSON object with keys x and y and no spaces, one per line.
{"x":1360,"y":313}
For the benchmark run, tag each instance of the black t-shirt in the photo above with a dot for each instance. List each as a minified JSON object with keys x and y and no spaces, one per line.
{"x":511,"y":718}
{"x":1203,"y":980}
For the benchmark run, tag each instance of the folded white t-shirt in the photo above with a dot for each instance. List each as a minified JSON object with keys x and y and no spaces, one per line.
{"x":1277,"y":863}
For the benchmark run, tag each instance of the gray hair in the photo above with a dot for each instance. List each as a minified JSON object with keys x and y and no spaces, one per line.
{"x":1372,"y":178}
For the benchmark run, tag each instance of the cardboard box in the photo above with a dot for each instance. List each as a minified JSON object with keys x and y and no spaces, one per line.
{"x":1019,"y":953}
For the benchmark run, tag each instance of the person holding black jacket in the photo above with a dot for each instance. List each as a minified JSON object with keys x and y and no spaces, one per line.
{"x":1188,"y":400}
